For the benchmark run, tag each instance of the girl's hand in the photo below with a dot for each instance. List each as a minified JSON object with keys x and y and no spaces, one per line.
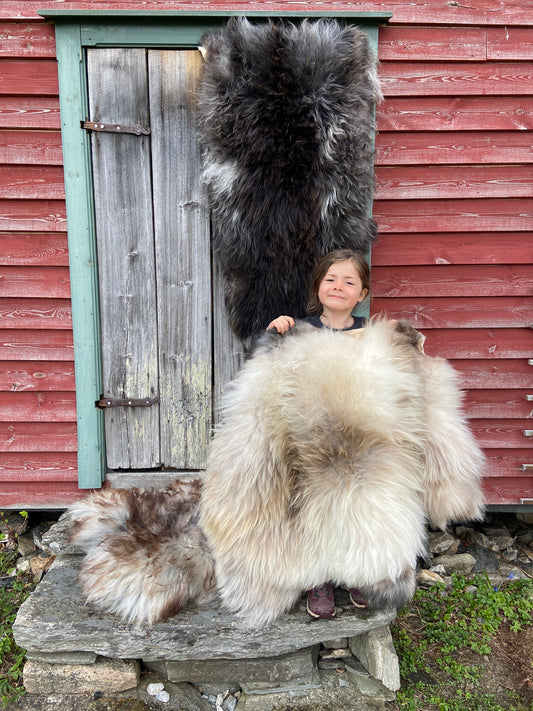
{"x":282,"y":324}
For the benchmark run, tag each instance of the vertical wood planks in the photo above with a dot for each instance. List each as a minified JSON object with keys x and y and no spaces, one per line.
{"x":124,"y":224}
{"x":182,"y":238}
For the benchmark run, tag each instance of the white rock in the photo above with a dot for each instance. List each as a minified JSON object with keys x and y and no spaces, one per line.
{"x":154,"y":689}
{"x":163,"y":696}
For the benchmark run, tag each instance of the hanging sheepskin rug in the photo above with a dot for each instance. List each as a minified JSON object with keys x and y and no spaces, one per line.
{"x":333,"y":452}
{"x":286,"y":121}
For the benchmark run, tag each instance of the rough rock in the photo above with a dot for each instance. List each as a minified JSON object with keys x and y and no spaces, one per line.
{"x":299,"y":665}
{"x":337,"y":692}
{"x":55,"y":618}
{"x":461,"y":563}
{"x":106,"y":675}
{"x":375,"y":650}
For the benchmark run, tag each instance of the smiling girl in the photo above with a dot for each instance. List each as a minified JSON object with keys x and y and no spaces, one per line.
{"x":341,"y":280}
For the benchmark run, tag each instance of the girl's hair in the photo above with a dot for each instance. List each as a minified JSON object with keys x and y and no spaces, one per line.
{"x":338,"y":255}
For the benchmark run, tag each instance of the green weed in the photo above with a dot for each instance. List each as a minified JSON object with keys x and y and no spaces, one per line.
{"x":14,"y":589}
{"x":443,"y":637}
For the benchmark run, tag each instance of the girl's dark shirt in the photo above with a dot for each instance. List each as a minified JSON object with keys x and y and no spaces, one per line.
{"x":358,"y":322}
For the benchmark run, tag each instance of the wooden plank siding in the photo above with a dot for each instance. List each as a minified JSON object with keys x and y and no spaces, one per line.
{"x":453,"y":200}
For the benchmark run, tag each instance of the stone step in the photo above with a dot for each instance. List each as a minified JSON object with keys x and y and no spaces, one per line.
{"x":56,"y":620}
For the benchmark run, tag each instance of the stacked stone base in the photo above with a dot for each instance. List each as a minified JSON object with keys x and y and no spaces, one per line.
{"x":203,"y":653}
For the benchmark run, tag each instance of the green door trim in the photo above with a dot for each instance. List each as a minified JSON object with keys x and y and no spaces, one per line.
{"x":75,"y":31}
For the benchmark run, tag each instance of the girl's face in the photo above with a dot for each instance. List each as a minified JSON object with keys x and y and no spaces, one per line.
{"x":341,"y":288}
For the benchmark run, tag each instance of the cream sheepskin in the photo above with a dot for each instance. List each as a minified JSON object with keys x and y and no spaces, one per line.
{"x":333,"y":453}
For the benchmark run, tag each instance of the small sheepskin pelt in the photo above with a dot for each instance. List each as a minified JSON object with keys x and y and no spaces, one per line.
{"x":286,"y":123}
{"x":146,"y":555}
{"x":334,"y":452}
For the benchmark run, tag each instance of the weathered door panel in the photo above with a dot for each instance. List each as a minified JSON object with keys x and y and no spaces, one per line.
{"x":164,"y":328}
{"x":126,"y":257}
{"x":183,"y":273}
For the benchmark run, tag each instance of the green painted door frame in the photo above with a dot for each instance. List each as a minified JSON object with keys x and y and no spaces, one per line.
{"x":77,"y":30}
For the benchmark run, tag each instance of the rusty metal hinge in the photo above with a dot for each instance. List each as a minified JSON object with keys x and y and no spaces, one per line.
{"x":137,"y":129}
{"x":106,"y":402}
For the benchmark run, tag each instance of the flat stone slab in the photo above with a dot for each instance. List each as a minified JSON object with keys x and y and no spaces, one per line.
{"x":55,"y":618}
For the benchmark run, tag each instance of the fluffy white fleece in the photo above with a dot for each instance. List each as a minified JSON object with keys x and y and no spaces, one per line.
{"x":334,"y":450}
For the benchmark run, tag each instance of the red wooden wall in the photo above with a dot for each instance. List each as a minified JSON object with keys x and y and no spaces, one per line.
{"x":454,"y":202}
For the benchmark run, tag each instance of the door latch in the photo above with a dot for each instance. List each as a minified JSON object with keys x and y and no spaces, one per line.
{"x":106,"y":402}
{"x":137,"y":129}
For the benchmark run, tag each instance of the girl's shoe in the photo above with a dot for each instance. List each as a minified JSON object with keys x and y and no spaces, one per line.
{"x":320,"y":602}
{"x":357,"y":599}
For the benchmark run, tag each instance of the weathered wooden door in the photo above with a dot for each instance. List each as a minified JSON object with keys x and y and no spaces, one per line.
{"x":159,"y":340}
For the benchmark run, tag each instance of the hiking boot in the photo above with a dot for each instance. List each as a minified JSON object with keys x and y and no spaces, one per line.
{"x":357,"y":599}
{"x":320,"y":602}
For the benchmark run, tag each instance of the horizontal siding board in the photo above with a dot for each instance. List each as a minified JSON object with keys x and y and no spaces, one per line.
{"x":26,"y":112}
{"x":47,"y":466}
{"x":481,"y":343}
{"x":498,"y":403}
{"x":455,"y":312}
{"x":40,"y":495}
{"x":443,"y":113}
{"x":35,"y":313}
{"x":29,"y":76}
{"x":510,"y":43}
{"x":17,"y":376}
{"x":425,"y":43}
{"x":507,"y":462}
{"x":450,"y":248}
{"x":38,"y":407}
{"x":492,"y":12}
{"x":508,"y":490}
{"x":460,"y":215}
{"x":30,"y":147}
{"x":34,"y":249}
{"x":36,"y":345}
{"x":458,"y":148}
{"x":451,"y":280}
{"x":24,"y":282}
{"x":494,"y":374}
{"x":455,"y":79}
{"x":36,"y":182}
{"x":500,"y":433}
{"x":38,"y":437}
{"x":438,"y":181}
{"x":33,"y":215}
{"x":23,"y":39}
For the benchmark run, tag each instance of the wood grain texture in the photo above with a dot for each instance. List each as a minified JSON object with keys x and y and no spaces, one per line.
{"x":454,"y":215}
{"x":455,"y":79}
{"x":452,"y":280}
{"x":35,"y":313}
{"x":183,"y":262}
{"x":33,"y":215}
{"x":25,"y":39}
{"x":27,"y":112}
{"x":480,"y":343}
{"x":24,"y":282}
{"x":38,"y":437}
{"x":126,"y":258}
{"x":18,"y":376}
{"x":38,"y":406}
{"x":35,"y":182}
{"x":490,"y":12}
{"x":30,"y":147}
{"x":457,"y":312}
{"x":21,"y":77}
{"x":36,"y":345}
{"x":458,"y":148}
{"x":453,"y":248}
{"x":33,"y":249}
{"x":456,"y":113}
